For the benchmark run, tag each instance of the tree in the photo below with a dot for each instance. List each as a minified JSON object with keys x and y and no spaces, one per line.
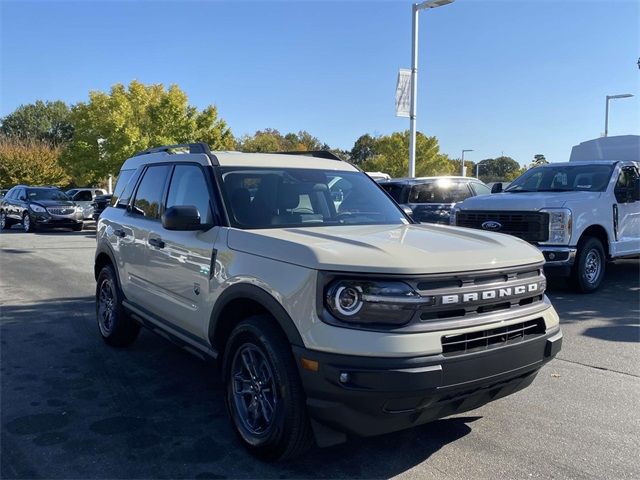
{"x":539,"y":159}
{"x":40,"y":121}
{"x":391,"y":155}
{"x":112,"y":126}
{"x":31,"y":162}
{"x":499,"y":169}
{"x":271,"y":140}
{"x":363,"y":149}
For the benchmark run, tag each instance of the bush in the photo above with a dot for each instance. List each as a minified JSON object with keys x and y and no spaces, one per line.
{"x":30,"y":162}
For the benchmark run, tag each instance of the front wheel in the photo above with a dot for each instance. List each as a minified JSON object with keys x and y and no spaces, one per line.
{"x":264,"y":393}
{"x":27,"y":224}
{"x":589,"y":267}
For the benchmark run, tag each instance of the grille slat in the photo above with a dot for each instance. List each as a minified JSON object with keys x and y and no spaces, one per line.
{"x":60,"y":210}
{"x":460,"y":344}
{"x":529,"y":226}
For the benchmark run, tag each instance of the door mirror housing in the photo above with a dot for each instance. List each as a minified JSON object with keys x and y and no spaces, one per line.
{"x":182,"y":217}
{"x":496,"y":187}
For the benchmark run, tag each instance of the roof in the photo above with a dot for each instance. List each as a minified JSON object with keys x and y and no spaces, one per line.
{"x":423,"y":179}
{"x":621,"y":147}
{"x":576,"y":164}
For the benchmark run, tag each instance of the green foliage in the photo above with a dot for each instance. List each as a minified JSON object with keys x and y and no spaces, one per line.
{"x":271,"y":140}
{"x":390,"y":154}
{"x":31,"y":162}
{"x":40,"y":121}
{"x":363,"y":149}
{"x":113,"y":126}
{"x":538,"y":159}
{"x":499,"y":169}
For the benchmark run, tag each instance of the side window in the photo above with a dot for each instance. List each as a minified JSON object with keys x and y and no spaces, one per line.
{"x":124,"y":188}
{"x":149,"y":194}
{"x":20,"y":193}
{"x":189,"y":187}
{"x":10,"y":194}
{"x":624,"y":185}
{"x":83,"y":196}
{"x":480,"y":189}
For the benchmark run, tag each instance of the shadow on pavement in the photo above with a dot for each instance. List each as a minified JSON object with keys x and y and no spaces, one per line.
{"x":152,"y":410}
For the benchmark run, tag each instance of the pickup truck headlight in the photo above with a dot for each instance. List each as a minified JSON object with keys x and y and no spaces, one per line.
{"x":560,"y":224}
{"x":373,"y":302}
{"x":37,"y":208}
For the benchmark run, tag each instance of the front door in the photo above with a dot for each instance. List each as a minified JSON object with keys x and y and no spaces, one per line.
{"x":628,"y":209}
{"x":180,"y":263}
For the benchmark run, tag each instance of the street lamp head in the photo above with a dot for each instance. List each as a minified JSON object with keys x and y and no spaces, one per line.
{"x":432,"y":4}
{"x":622,"y":95}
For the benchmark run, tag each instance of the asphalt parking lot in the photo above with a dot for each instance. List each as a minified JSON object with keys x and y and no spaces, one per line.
{"x":71,"y":407}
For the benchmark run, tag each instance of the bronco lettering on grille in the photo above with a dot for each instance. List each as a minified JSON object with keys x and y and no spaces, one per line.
{"x":499,"y":293}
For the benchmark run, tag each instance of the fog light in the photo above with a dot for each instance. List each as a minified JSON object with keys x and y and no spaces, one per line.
{"x":344,"y":377}
{"x":552,"y":255}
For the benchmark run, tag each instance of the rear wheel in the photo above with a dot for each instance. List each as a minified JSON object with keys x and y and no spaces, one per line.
{"x":5,"y":222}
{"x":264,"y":394}
{"x":589,"y":267}
{"x":115,"y":326}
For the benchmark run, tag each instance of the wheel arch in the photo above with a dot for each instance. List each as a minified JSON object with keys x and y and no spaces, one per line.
{"x":599,"y":232}
{"x":241,"y":301}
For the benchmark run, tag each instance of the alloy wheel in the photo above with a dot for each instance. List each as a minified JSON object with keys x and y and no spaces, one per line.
{"x":106,"y":304}
{"x":26,"y":223}
{"x":254,"y":389}
{"x":3,"y":220}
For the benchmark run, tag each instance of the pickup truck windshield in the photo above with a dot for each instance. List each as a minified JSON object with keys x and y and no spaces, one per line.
{"x":563,"y":178}
{"x":46,"y":194}
{"x":295,"y":197}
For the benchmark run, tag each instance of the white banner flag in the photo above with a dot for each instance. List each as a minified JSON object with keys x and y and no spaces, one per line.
{"x":403,"y":93}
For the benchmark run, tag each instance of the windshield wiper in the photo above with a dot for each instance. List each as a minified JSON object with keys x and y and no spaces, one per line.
{"x":555,"y":190}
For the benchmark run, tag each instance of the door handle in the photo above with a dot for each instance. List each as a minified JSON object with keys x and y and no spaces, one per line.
{"x":156,"y":242}
{"x":118,"y":232}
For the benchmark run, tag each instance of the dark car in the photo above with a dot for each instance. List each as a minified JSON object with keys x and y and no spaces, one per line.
{"x":36,"y":207}
{"x":99,"y":204}
{"x":432,"y":198}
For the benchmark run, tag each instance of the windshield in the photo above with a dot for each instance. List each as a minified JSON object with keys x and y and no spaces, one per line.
{"x":563,"y":178}
{"x":296,"y":197}
{"x":439,"y":191}
{"x":46,"y":194}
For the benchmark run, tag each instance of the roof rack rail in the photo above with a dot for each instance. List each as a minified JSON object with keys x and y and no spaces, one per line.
{"x":315,"y":153}
{"x":197,"y":147}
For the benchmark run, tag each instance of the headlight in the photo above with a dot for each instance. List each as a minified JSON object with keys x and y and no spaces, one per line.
{"x":560,"y":224}
{"x":37,"y":208}
{"x":367,"y":302}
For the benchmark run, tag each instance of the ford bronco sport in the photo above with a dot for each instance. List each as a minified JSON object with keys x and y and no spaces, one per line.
{"x":328,"y":318}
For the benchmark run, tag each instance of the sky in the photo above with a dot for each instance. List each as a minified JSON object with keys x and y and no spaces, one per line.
{"x":500,"y":77}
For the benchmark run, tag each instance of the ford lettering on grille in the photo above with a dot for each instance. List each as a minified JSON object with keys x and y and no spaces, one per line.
{"x":505,"y":293}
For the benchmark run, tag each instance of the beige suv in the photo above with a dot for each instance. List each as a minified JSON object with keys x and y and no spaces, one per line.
{"x":330,"y":315}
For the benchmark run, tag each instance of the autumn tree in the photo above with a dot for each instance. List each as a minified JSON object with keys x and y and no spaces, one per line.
{"x":271,"y":140}
{"x":112,"y":126}
{"x":390,"y":154}
{"x":40,"y":121}
{"x":31,"y":162}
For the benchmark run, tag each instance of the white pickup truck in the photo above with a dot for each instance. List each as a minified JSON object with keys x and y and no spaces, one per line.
{"x":579,"y":213}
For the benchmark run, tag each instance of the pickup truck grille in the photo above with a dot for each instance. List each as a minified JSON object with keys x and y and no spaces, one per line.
{"x":492,"y":338}
{"x":529,"y":226}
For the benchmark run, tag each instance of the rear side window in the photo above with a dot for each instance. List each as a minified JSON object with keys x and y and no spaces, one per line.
{"x":189,"y":187}
{"x":83,"y":196}
{"x":149,"y":194}
{"x":124,"y":188}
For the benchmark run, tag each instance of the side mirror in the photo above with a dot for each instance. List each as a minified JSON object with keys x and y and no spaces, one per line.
{"x":182,"y":217}
{"x":496,"y":187}
{"x":636,"y":190}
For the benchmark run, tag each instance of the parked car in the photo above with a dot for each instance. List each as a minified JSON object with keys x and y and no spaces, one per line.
{"x":430,"y":199}
{"x":100,"y":202}
{"x":379,"y":176}
{"x":84,"y":198}
{"x":325,"y":322}
{"x":579,"y":213}
{"x":36,"y":207}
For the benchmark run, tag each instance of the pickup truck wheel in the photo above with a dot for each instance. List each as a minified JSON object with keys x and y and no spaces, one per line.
{"x":588,"y":270}
{"x":264,"y":394}
{"x":116,"y":327}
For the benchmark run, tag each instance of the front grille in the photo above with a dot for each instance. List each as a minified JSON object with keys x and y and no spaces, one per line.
{"x":493,"y":338}
{"x":529,"y":226}
{"x":61,"y":211}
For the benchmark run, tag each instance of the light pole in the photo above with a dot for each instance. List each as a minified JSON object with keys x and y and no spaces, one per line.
{"x":606,"y":110}
{"x":463,"y":169}
{"x":478,"y":165}
{"x":415,"y":9}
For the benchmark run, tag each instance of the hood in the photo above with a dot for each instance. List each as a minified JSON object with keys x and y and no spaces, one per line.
{"x":526,"y":201}
{"x":395,"y":249}
{"x":53,"y":203}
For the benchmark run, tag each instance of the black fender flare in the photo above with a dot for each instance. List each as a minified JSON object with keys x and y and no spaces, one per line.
{"x":265,"y":299}
{"x":106,"y":250}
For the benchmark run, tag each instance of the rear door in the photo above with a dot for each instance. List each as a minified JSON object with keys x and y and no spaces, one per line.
{"x":180,"y":263}
{"x":627,"y":220}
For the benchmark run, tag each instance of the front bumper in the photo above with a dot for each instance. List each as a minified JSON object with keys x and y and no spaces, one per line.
{"x":57,"y":221}
{"x":384,"y":395}
{"x":558,"y":260}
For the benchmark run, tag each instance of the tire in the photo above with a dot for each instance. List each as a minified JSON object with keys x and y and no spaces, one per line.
{"x":282,"y":430}
{"x":27,"y":224}
{"x":588,"y":269}
{"x":5,"y":223}
{"x":115,"y":326}
{"x":77,"y":228}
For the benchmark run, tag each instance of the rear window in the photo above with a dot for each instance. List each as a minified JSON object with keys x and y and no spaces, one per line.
{"x":394,"y":190}
{"x":439,"y":191}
